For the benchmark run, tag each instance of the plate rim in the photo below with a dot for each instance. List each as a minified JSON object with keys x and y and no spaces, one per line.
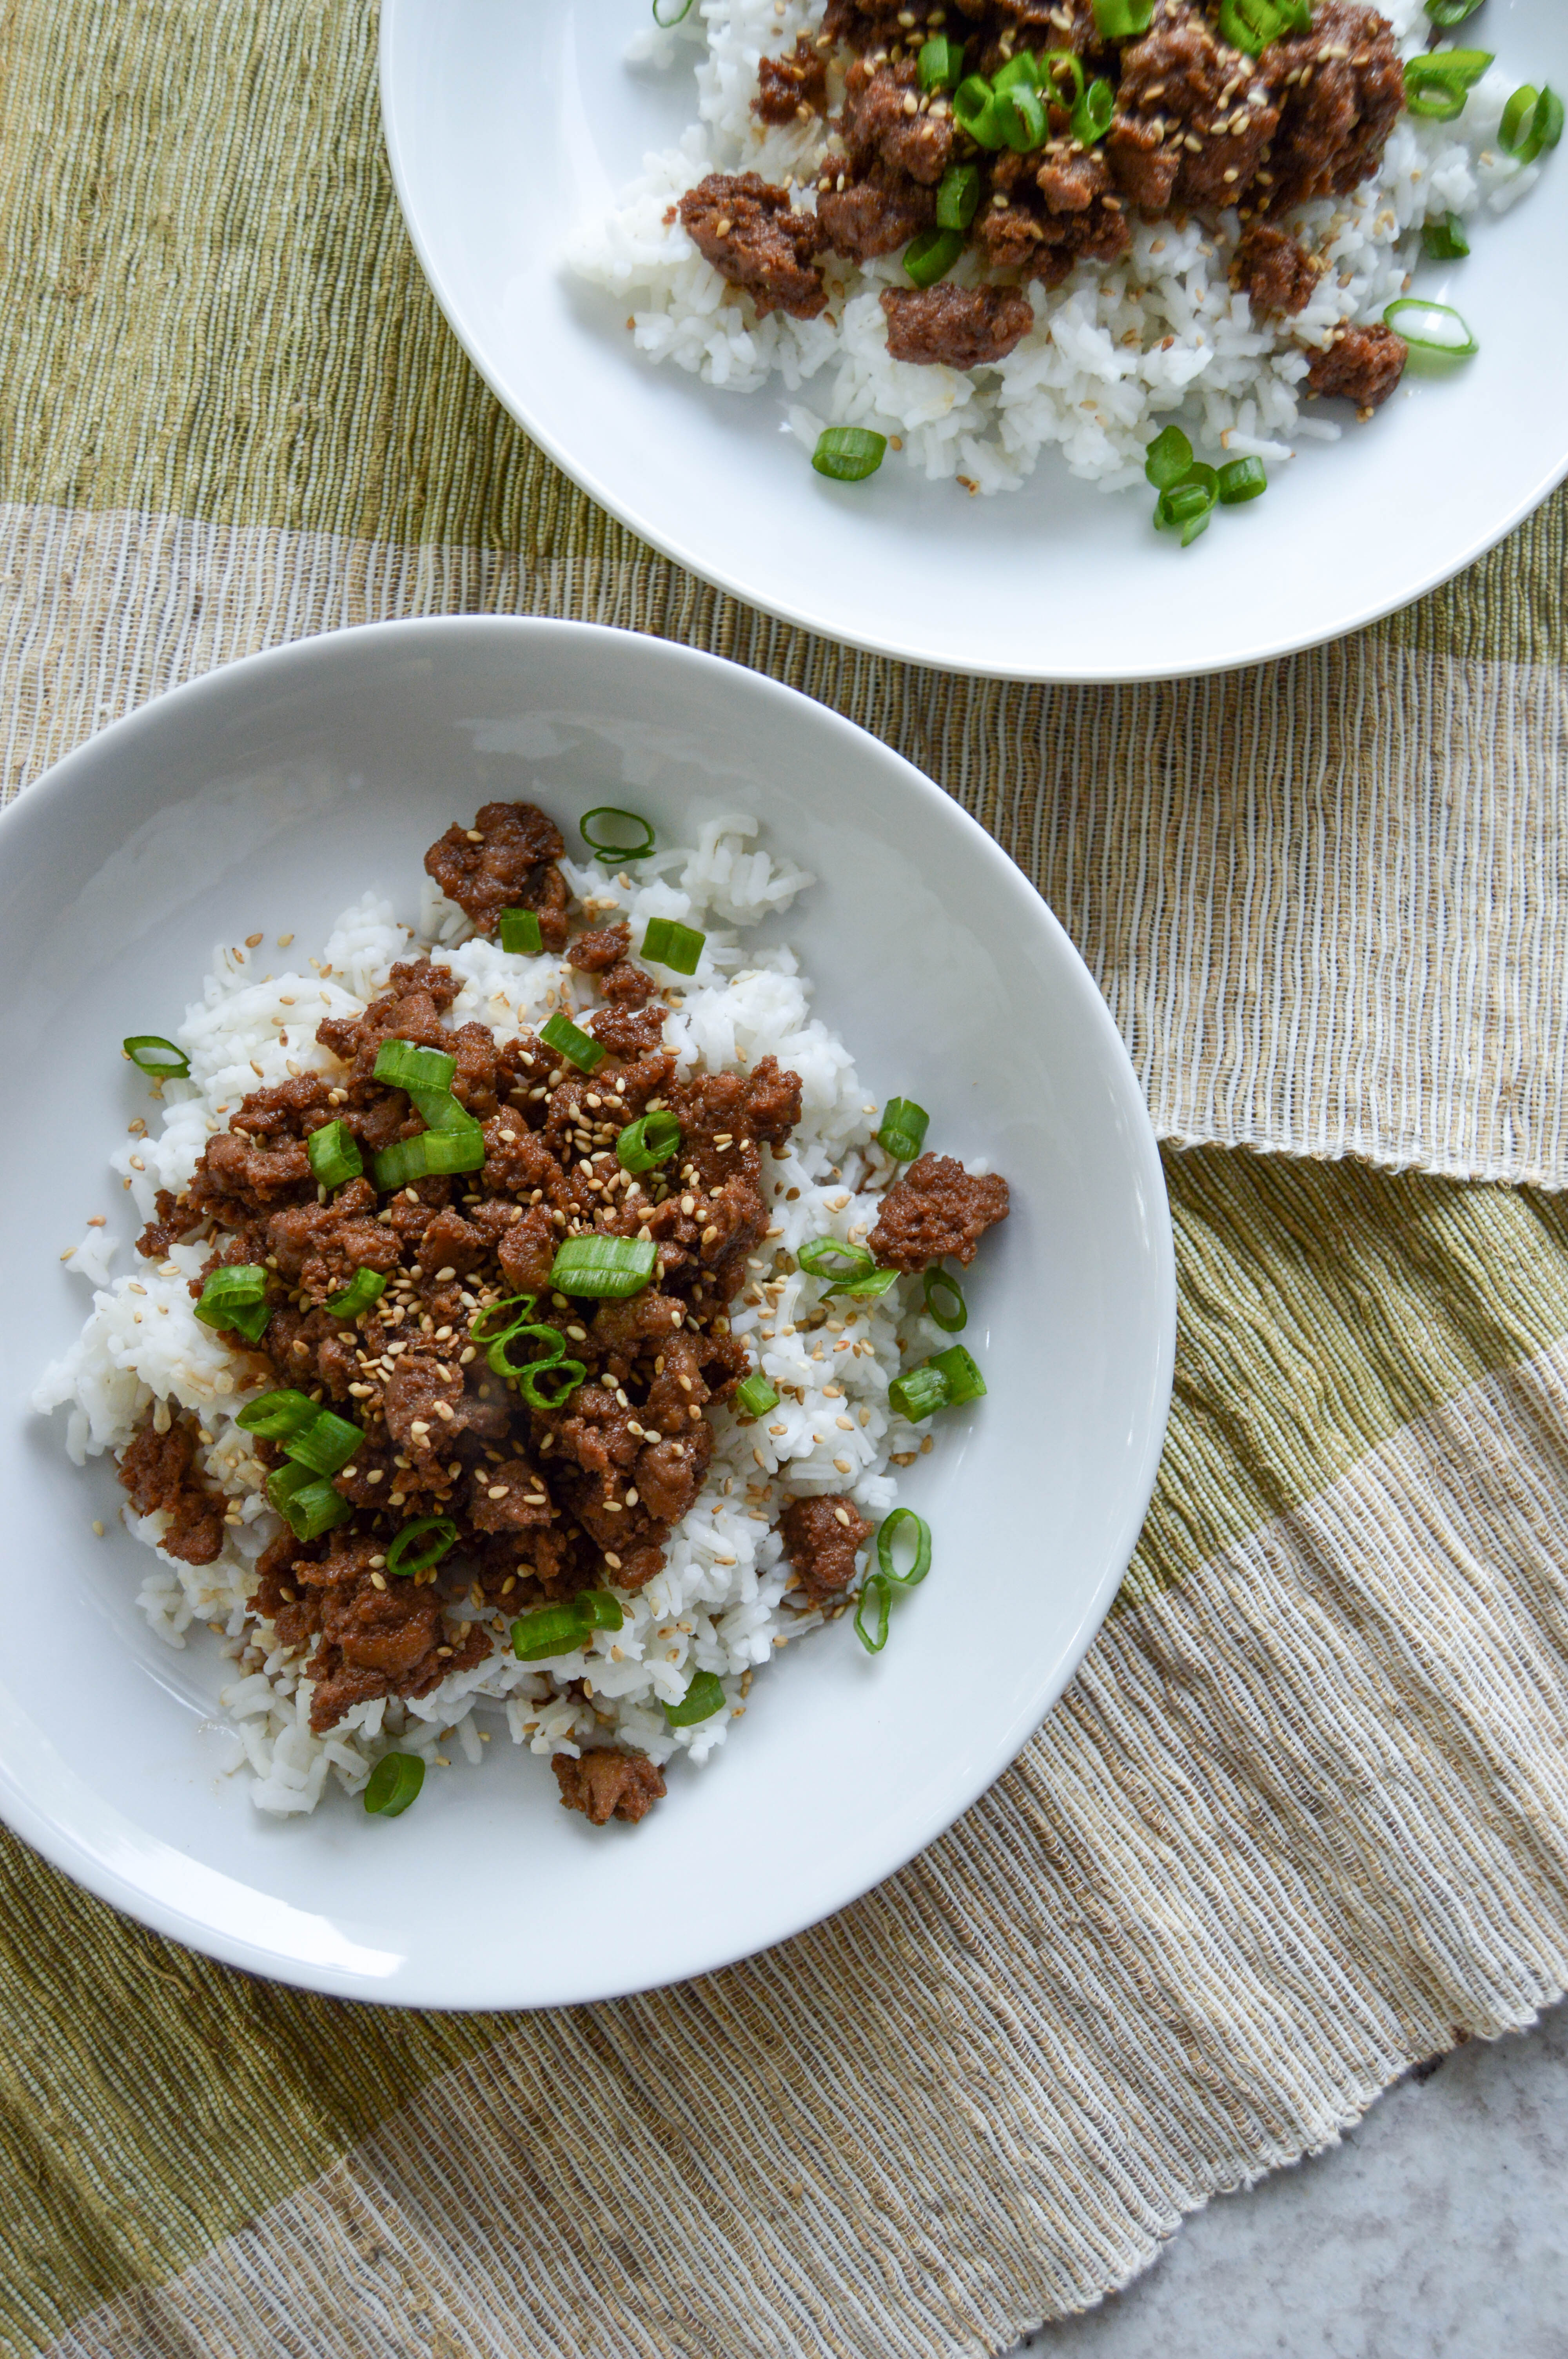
{"x":393,"y":15}
{"x":70,"y":1850}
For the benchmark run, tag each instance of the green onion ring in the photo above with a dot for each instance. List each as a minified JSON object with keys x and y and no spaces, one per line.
{"x":848,"y":453}
{"x":941,"y":63}
{"x":615,"y":852}
{"x":578,"y":1048}
{"x":403,"y":1065}
{"x":419,"y":1544}
{"x":903,"y":1128}
{"x":649,"y":1141}
{"x":173,"y":1065}
{"x":831,"y":1259}
{"x":276,"y":1415}
{"x":617,"y":1267}
{"x":395,"y":1780}
{"x":599,"y":1609}
{"x":956,"y":1315}
{"x":1432,"y":346}
{"x":1091,"y":116}
{"x":1123,"y":20}
{"x":875,"y":1591}
{"x":1241,"y":480}
{"x":755,"y":1397}
{"x":1437,"y":85}
{"x":333,"y":1154}
{"x":667,"y":24}
{"x":499,"y":1356}
{"x":974,"y":111}
{"x":1055,"y":61}
{"x":892,"y":1530}
{"x":520,"y":927}
{"x":480,"y":1333}
{"x":1450,"y":12}
{"x":1021,"y":113}
{"x":1527,"y":130}
{"x":553,"y":1630}
{"x":1445,"y":239}
{"x":703,"y":1697}
{"x":919,"y":1393}
{"x":326,"y":1443}
{"x":540,"y":1374}
{"x":362,"y":1292}
{"x":958,"y":196}
{"x":1167,"y":459}
{"x":931,"y":255}
{"x":675,"y":946}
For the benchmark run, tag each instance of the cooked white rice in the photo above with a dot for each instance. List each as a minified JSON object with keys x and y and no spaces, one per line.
{"x":718,"y":1605}
{"x":1115,"y":352}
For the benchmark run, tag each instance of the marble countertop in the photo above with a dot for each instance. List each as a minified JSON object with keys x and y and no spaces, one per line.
{"x":1437,"y":2229}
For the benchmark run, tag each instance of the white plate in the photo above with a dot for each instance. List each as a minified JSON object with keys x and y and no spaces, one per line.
{"x":508,"y":120}
{"x":268,"y":795}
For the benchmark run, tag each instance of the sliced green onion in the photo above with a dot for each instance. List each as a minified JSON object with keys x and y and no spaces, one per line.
{"x":480,"y":1330}
{"x":420,"y":1544}
{"x":325,"y":1444}
{"x":941,"y":63}
{"x":666,"y":23}
{"x":702,"y":1699}
{"x":1188,"y":505}
{"x":1057,"y":62}
{"x":306,"y":1502}
{"x":1533,"y":120}
{"x":520,"y":932}
{"x":963,"y":1380}
{"x":931,"y":256}
{"x":1167,"y":459}
{"x":362,"y":1292}
{"x":1438,"y":85}
{"x":334,"y":1154}
{"x":402,"y":1066}
{"x":1091,"y":116}
{"x":875,"y":1282}
{"x":1445,"y":239}
{"x":755,"y":1397}
{"x":599,"y":1609}
{"x":848,"y":453}
{"x":605,"y":1266}
{"x":958,"y":196}
{"x":433,"y":1152}
{"x":550,"y":1384}
{"x":1023,"y":68}
{"x":1446,"y":335}
{"x":669,"y":944}
{"x":157,"y":1058}
{"x":553,"y":1630}
{"x":1250,"y":25}
{"x":1241,"y":480}
{"x":236,"y":1297}
{"x":649,"y":1141}
{"x":1123,"y":20}
{"x":1021,"y":113}
{"x":1450,"y":12}
{"x":276,"y":1415}
{"x":876,"y":1590}
{"x":395,"y":1780}
{"x":439,"y":1110}
{"x":605,"y":844}
{"x":499,"y":1356}
{"x":974,"y":111}
{"x":918,"y":1393}
{"x":951,"y":1313}
{"x":831,"y":1257}
{"x":902,"y":1132}
{"x":578,"y":1049}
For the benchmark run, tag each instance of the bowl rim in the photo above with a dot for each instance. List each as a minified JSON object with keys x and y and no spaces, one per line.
{"x":65,"y":1844}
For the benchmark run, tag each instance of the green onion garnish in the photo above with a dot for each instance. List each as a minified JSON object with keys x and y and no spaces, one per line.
{"x":958,"y":196}
{"x":951,"y":1313}
{"x":1437,"y":330}
{"x":433,"y":1152}
{"x":325,"y":1444}
{"x":649,"y":1141}
{"x":439,"y":1110}
{"x":306,"y":1502}
{"x":1167,"y":459}
{"x":874,"y":1282}
{"x":666,"y":22}
{"x":236,"y":1297}
{"x":599,"y":1609}
{"x":550,"y":1384}
{"x":702,"y":1699}
{"x":941,"y":63}
{"x":1438,"y":85}
{"x":420,"y":1544}
{"x":1450,"y":12}
{"x":1187,"y":506}
{"x":944,"y":1381}
{"x":1252,"y":24}
{"x":677,"y":946}
{"x":931,"y":256}
{"x":831,"y":1259}
{"x":1056,"y":63}
{"x":362,"y":1292}
{"x":848,"y":453}
{"x":755,"y":1397}
{"x":155,"y":1056}
{"x":499,"y":1356}
{"x":605,"y":844}
{"x":520,"y":931}
{"x":548,"y":1379}
{"x":1445,"y":239}
{"x":1020,"y":115}
{"x":902,"y":1132}
{"x":402,"y":1066}
{"x":578,"y":1049}
{"x":1241,"y":480}
{"x":604,"y":1265}
{"x":480,"y":1328}
{"x":395,"y":1780}
{"x":1024,"y":68}
{"x":877,"y":1588}
{"x":554,"y":1630}
{"x":276,"y":1415}
{"x":334,"y":1154}
{"x":1091,"y":116}
{"x":1533,"y":120}
{"x":974,"y":111}
{"x":1123,"y":20}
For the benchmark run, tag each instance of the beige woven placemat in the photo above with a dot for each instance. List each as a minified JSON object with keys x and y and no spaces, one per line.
{"x":1304,"y":1814}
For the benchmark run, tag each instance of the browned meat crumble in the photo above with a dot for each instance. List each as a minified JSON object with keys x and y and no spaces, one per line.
{"x":609,"y":1784}
{"x":1277,"y":275}
{"x":1365,"y":365}
{"x":936,"y":1208}
{"x":821,"y":1537}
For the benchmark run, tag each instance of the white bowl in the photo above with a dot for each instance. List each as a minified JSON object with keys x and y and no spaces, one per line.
{"x":507,"y":121}
{"x":265,"y":797}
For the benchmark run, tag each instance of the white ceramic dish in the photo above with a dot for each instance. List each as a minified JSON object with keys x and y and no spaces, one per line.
{"x":266,"y":796}
{"x":508,"y":120}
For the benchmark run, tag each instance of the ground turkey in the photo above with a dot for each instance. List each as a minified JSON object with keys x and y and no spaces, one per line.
{"x":960,"y":326}
{"x":936,"y":1208}
{"x":792,"y":87}
{"x":746,"y":229}
{"x":820,"y":1539}
{"x":506,"y":860}
{"x":1278,"y":276}
{"x":605,"y":1784}
{"x":1342,"y":87}
{"x":1193,"y":117}
{"x":156,"y":1468}
{"x":1364,"y":364}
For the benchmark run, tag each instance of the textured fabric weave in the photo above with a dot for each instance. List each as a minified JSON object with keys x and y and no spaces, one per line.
{"x":1304,"y":1814}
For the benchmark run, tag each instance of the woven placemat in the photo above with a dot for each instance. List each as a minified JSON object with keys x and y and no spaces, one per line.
{"x":1304,"y":1816}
